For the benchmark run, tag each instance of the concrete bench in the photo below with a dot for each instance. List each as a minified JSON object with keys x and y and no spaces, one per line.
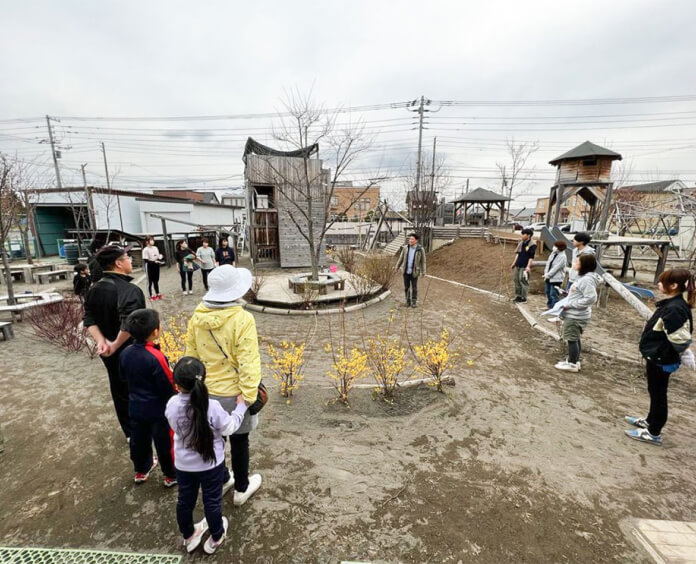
{"x":6,"y":330}
{"x":50,"y":276}
{"x":17,"y":310}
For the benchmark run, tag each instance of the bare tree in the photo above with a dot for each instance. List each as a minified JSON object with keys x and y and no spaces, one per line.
{"x":305,"y":187}
{"x":513,"y":172}
{"x":10,"y":211}
{"x":435,"y":181}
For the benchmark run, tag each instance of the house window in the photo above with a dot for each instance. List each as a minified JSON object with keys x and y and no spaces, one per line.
{"x":589,"y":162}
{"x":334,"y":201}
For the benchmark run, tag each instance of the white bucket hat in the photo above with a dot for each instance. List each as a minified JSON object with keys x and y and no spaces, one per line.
{"x":227,"y":284}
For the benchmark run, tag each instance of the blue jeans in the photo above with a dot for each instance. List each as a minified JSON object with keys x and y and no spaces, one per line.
{"x":551,"y":293}
{"x":210,"y":481}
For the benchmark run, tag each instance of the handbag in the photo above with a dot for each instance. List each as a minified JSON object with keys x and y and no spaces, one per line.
{"x":261,"y":395}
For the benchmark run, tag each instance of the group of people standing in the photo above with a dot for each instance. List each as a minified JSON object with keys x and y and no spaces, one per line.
{"x":203,"y":402}
{"x":204,"y":259}
{"x":666,"y":338}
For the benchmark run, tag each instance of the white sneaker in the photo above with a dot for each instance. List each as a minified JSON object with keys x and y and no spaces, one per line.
{"x":240,"y":498}
{"x":210,"y":545}
{"x":190,"y":292}
{"x":184,"y":292}
{"x":199,"y":529}
{"x":567,"y":366}
{"x":554,"y":320}
{"x":227,"y":485}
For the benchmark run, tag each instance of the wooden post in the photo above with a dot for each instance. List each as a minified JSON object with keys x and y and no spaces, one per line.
{"x":167,"y":249}
{"x":626,"y":260}
{"x":662,"y":261}
{"x":603,"y":296}
{"x":559,"y":203}
{"x":548,"y":209}
{"x":605,"y":207}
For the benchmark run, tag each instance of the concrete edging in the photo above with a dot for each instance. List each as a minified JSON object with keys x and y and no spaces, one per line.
{"x":331,"y":311}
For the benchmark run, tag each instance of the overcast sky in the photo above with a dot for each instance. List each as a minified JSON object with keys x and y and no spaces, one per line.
{"x":149,"y":59}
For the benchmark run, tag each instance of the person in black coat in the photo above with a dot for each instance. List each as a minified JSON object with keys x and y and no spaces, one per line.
{"x":664,"y":344}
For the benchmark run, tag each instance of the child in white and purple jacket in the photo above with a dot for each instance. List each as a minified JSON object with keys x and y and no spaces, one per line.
{"x":199,"y":424}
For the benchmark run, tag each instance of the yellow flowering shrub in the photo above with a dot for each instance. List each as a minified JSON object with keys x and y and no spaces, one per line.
{"x":172,"y":339}
{"x":386,"y":359}
{"x":287,"y":366}
{"x":347,"y":368}
{"x":434,"y":358}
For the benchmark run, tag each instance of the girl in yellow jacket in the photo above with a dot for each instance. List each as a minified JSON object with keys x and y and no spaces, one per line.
{"x":222,"y":335}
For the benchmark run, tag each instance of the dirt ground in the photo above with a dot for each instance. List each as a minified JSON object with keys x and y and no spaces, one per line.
{"x":515,"y":462}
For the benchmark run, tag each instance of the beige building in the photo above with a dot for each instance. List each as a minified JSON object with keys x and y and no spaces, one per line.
{"x":573,"y":209}
{"x":353,"y":202}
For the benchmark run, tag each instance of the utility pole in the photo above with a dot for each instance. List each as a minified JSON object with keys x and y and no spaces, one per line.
{"x":108,"y":186}
{"x":53,"y":152}
{"x":88,"y":200}
{"x":421,"y":112}
{"x":432,"y":170}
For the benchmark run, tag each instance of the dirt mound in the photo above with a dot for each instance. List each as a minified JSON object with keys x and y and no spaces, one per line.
{"x":478,"y":263}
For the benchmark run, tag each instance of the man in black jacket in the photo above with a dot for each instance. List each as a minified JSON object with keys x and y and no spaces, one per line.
{"x":108,"y":304}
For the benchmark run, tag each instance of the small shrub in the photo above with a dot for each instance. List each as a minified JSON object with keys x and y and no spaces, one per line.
{"x":346,"y":256}
{"x":434,"y":358}
{"x":287,"y":365}
{"x":347,"y":367}
{"x":256,"y":284}
{"x":387,"y":361}
{"x":309,"y":296}
{"x":60,"y":323}
{"x":172,"y":339}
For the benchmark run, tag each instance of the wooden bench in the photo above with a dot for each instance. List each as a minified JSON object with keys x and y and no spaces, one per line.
{"x":300,"y":283}
{"x":6,"y":330}
{"x":46,"y":277}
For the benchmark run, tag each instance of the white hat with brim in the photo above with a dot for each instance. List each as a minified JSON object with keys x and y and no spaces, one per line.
{"x":227,"y":284}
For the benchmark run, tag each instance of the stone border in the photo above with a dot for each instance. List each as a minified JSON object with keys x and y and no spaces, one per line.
{"x":284,"y":311}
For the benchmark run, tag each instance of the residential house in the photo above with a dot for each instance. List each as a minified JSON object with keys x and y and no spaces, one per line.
{"x":349,"y":202}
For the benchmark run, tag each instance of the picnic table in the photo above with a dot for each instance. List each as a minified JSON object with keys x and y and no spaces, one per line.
{"x":25,"y":272}
{"x":28,"y":301}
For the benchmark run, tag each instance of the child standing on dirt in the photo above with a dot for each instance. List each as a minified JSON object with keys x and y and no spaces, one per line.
{"x":554,"y":272}
{"x":150,"y":385}
{"x":522,"y":266}
{"x":199,"y":424}
{"x":581,"y":243}
{"x":82,"y":281}
{"x":664,"y":344}
{"x":577,"y":310}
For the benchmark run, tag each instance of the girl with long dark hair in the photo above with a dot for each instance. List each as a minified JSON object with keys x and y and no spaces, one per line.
{"x":664,"y":344}
{"x":199,"y":424}
{"x":152,"y":259}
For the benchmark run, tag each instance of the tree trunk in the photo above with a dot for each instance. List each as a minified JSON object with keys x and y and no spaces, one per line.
{"x":8,"y":275}
{"x":25,"y":240}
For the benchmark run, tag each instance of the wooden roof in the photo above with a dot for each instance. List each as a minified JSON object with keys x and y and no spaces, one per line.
{"x":584,"y":150}
{"x":481,"y":195}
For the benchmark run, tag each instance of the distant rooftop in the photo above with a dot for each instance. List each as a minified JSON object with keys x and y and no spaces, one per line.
{"x":659,"y":186}
{"x":481,"y":195}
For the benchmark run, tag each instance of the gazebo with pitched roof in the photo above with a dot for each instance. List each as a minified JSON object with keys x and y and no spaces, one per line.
{"x":484,"y":198}
{"x":584,"y":171}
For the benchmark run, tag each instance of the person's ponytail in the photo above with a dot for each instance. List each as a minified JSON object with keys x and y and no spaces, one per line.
{"x":189,"y":375}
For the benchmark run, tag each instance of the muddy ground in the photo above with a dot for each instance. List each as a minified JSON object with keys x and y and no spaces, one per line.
{"x":516,"y":462}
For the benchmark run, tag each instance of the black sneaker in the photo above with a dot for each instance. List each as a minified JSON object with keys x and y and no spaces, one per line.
{"x":413,"y":304}
{"x":517,"y":300}
{"x":522,"y":301}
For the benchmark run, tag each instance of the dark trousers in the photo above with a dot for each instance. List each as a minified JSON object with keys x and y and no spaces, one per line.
{"x":551,"y":289}
{"x":143,"y":433}
{"x":658,"y":382}
{"x":210,"y":482}
{"x":411,"y":281}
{"x":205,"y":273}
{"x":119,"y":391}
{"x":153,"y":275}
{"x":239,"y":453}
{"x":186,"y":275}
{"x":574,"y":350}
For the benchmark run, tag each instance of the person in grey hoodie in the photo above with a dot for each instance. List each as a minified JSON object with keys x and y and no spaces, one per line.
{"x":577,"y":310}
{"x":581,"y":246}
{"x":554,"y":272}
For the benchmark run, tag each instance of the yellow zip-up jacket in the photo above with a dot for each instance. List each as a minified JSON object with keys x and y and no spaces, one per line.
{"x":234,"y":366}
